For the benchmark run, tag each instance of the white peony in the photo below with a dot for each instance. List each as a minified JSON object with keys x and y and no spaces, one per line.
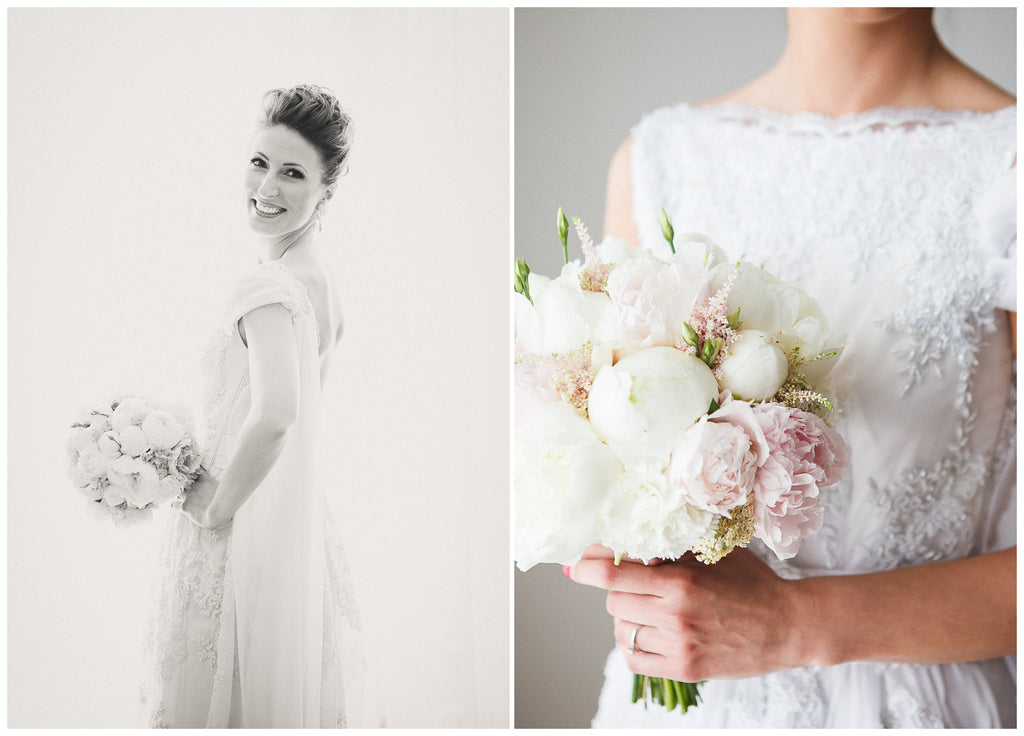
{"x":162,"y":430}
{"x":645,"y":517}
{"x":109,"y":445}
{"x":92,"y":462}
{"x":131,"y":411}
{"x":135,"y":479}
{"x":527,"y":326}
{"x":563,"y":472}
{"x":755,"y":367}
{"x":642,"y":405}
{"x":650,"y":299}
{"x":132,"y":440}
{"x":566,"y":314}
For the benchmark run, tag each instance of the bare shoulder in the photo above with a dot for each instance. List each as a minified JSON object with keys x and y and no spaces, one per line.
{"x":760,"y":92}
{"x":963,"y":88}
{"x":322,"y":290}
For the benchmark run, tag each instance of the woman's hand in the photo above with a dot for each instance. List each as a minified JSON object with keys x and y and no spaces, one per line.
{"x":197,"y":502}
{"x":733,"y":619}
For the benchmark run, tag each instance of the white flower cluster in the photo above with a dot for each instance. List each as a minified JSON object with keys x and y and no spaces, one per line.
{"x":131,"y":456}
{"x":642,"y":462}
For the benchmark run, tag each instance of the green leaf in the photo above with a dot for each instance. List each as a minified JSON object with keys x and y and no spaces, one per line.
{"x":734,"y":318}
{"x":714,"y":407}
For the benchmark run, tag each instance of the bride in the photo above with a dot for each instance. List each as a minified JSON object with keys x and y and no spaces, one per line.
{"x":874,"y":169}
{"x":254,"y":624}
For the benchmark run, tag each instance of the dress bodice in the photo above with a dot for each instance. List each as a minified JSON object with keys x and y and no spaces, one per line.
{"x":225,"y":363}
{"x":900,"y":223}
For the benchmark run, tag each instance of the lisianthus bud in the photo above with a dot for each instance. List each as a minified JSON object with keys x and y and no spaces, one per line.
{"x":755,"y":367}
{"x":522,"y":279}
{"x":666,"y":229}
{"x":563,"y":233}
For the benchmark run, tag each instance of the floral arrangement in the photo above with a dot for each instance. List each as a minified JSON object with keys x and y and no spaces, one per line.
{"x":131,"y":456}
{"x":666,"y":405}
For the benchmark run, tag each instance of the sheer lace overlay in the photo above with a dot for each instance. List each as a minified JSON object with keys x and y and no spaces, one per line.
{"x":255,"y":624}
{"x":894,"y":220}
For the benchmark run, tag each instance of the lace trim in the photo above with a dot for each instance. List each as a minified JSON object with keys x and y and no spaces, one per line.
{"x":875,"y":120}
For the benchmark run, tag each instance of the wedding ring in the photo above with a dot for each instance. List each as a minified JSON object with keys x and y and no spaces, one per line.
{"x":633,"y":648}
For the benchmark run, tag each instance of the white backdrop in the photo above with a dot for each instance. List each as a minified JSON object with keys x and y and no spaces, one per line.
{"x":583,"y":77}
{"x":127,"y":137}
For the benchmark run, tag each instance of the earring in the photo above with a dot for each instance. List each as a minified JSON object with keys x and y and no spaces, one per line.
{"x":319,"y":213}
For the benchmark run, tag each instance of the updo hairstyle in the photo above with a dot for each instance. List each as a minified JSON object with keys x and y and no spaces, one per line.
{"x":315,"y":114}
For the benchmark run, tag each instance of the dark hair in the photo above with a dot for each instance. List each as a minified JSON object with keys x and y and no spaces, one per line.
{"x":314,"y":113}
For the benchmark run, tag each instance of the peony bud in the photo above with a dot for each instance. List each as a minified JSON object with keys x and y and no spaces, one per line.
{"x":755,"y":368}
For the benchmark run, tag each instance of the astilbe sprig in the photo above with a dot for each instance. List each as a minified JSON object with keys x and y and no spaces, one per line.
{"x":712,"y":328}
{"x":594,"y":276}
{"x":571,"y":374}
{"x":574,"y":374}
{"x":729,"y":533}
{"x":797,"y":392}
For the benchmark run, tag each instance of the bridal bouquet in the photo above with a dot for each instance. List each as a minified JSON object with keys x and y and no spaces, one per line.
{"x":667,"y":405}
{"x":131,"y":456}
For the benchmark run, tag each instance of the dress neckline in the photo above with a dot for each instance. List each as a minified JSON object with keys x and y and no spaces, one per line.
{"x":878,"y":119}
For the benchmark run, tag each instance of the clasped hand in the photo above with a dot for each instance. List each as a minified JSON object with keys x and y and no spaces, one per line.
{"x":197,"y":502}
{"x":732,"y":619}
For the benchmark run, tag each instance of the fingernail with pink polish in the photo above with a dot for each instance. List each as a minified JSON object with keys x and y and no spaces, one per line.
{"x":565,"y":570}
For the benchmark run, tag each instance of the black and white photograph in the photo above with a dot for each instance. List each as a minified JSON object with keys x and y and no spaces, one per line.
{"x":258,"y":410}
{"x":833,"y":191}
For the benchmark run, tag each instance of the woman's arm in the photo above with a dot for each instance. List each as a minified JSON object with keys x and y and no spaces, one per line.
{"x":618,"y":208}
{"x":274,"y":386}
{"x":738,"y":619}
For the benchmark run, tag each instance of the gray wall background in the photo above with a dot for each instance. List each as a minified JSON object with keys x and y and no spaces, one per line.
{"x":583,"y":77}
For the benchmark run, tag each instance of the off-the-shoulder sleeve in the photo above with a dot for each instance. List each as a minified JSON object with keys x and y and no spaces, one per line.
{"x":997,"y":220}
{"x":269,"y":283}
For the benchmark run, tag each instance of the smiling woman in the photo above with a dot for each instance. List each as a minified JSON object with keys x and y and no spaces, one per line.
{"x":297,"y":157}
{"x":255,"y":624}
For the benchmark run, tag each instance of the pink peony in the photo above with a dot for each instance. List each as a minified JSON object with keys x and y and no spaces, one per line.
{"x":714,"y":465}
{"x":805,"y":455}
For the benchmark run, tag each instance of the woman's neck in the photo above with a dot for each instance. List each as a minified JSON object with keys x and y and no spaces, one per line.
{"x":835,"y":63}
{"x":274,"y":249}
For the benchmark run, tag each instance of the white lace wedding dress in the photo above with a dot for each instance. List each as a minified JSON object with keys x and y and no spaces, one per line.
{"x":255,"y":624}
{"x":901,"y":223}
